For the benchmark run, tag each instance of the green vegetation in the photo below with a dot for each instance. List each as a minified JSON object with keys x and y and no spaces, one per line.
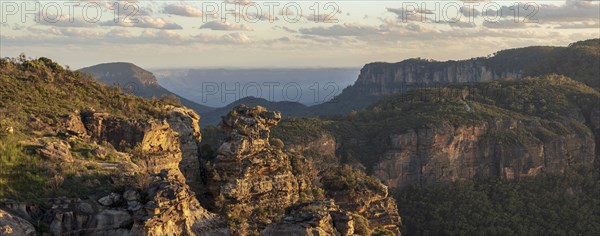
{"x":544,"y":205}
{"x":350,"y":180}
{"x":24,"y":175}
{"x":35,"y":94}
{"x":299,"y":130}
{"x":543,"y":108}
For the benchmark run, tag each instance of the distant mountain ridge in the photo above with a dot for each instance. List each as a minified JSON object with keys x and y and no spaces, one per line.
{"x":135,"y":80}
{"x":579,"y":60}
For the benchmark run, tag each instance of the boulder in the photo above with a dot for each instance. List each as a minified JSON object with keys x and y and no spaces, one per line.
{"x":13,"y":225}
{"x":57,"y":151}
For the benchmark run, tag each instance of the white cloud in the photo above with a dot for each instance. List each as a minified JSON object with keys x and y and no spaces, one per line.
{"x":181,"y":9}
{"x":144,"y":22}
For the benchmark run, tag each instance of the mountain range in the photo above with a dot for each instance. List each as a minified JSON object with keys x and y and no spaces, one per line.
{"x":578,"y":60}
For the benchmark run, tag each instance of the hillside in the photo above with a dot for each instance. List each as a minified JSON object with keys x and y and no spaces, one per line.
{"x":507,"y":128}
{"x":135,"y":80}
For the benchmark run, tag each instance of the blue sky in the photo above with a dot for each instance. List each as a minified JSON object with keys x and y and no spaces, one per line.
{"x":170,"y":34}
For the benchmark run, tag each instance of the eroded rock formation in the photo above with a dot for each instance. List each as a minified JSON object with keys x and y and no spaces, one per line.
{"x":249,"y":174}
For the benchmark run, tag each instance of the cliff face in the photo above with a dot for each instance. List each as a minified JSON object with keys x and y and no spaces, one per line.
{"x":381,"y":79}
{"x":423,"y":157}
{"x":169,"y":144}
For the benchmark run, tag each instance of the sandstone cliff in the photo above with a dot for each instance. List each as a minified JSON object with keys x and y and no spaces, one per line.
{"x":380,"y":79}
{"x":423,"y":157}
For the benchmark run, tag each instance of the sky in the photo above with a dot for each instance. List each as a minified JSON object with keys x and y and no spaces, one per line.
{"x":284,"y":34}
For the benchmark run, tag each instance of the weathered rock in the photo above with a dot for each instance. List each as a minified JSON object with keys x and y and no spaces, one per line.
{"x":57,"y":151}
{"x":424,"y":157}
{"x":366,"y":196}
{"x":74,"y":126}
{"x":100,"y":152}
{"x":174,"y":210}
{"x":315,"y":219}
{"x":184,"y":121}
{"x":151,"y":135}
{"x":131,"y":195}
{"x":247,"y":173}
{"x":111,"y":200}
{"x":14,"y":225}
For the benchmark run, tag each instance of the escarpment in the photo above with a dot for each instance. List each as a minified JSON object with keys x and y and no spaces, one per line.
{"x":381,"y":79}
{"x":424,"y":157}
{"x":511,"y":129}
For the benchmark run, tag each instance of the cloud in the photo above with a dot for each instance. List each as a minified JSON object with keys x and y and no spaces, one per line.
{"x":579,"y":25}
{"x":509,"y":24}
{"x":232,"y":38}
{"x":341,"y":30}
{"x":144,"y":22}
{"x":67,"y":21}
{"x":322,"y":18}
{"x":238,"y":38}
{"x":225,"y":26}
{"x":285,"y":28}
{"x":570,"y":11}
{"x":182,"y":10}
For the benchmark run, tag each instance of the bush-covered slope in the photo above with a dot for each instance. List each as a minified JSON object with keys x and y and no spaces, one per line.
{"x":545,"y":205}
{"x":35,"y":97}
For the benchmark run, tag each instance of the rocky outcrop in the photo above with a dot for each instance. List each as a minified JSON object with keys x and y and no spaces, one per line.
{"x":248,"y":173}
{"x":173,"y":209}
{"x":317,"y":218}
{"x":262,"y":189}
{"x":184,"y":121}
{"x":14,"y":225}
{"x":172,"y":143}
{"x":424,"y":157}
{"x":74,"y":125}
{"x":57,"y":151}
{"x":166,"y":207}
{"x":363,"y":195}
